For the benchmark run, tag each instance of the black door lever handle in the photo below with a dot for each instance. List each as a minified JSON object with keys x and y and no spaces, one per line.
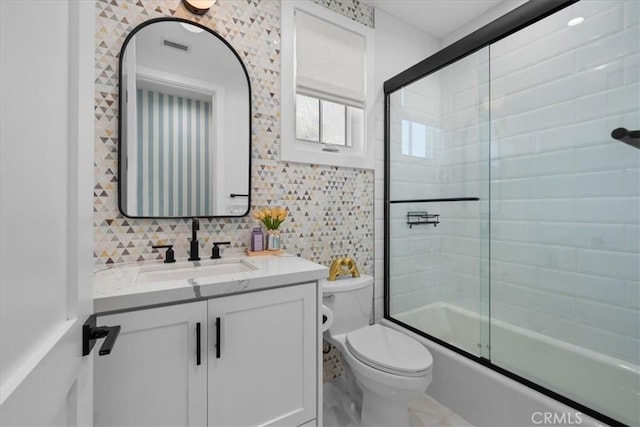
{"x":91,"y":332}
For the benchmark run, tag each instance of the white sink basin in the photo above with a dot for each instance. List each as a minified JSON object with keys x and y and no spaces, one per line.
{"x":186,"y":270}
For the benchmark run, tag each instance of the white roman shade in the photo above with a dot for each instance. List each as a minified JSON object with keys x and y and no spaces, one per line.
{"x":330,"y":60}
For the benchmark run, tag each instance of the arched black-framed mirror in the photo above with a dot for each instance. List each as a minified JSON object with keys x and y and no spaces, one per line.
{"x":184,"y":146}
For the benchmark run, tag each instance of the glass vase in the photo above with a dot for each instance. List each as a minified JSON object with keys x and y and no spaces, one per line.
{"x":273,"y":240}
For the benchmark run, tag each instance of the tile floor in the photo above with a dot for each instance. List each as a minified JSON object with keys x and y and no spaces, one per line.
{"x":423,"y":412}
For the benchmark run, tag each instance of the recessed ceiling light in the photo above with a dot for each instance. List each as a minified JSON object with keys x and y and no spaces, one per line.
{"x":575,"y":21}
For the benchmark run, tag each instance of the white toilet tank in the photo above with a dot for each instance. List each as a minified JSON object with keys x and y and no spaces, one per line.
{"x":350,"y":301}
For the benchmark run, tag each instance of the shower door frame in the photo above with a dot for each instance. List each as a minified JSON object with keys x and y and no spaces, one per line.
{"x":519,"y":18}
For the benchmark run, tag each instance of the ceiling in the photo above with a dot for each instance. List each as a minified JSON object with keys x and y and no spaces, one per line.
{"x":436,"y":17}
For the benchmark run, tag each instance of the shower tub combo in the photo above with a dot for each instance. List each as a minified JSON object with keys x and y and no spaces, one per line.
{"x":512,"y":215}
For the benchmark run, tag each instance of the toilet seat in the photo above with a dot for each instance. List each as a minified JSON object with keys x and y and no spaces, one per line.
{"x":389,"y":351}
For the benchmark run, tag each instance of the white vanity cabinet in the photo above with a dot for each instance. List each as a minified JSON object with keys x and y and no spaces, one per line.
{"x":151,"y":378}
{"x":262,"y":370}
{"x":258,"y":362}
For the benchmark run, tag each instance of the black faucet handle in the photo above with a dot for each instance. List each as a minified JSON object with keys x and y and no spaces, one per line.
{"x":170,"y":256}
{"x":215,"y":250}
{"x":195,"y":224}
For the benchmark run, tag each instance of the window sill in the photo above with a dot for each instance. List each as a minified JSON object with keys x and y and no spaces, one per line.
{"x":313,"y":153}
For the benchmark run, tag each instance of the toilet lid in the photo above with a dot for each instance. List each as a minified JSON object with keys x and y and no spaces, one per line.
{"x":389,"y":350}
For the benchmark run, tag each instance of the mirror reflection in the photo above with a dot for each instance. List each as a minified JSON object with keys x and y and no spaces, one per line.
{"x":184,"y":124}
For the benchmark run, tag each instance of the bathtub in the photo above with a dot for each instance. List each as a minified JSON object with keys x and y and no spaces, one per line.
{"x":486,"y":398}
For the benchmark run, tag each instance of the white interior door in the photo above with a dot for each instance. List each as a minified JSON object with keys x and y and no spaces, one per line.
{"x":46,"y":155}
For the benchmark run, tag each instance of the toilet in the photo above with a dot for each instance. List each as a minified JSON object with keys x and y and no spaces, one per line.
{"x":384,"y":368}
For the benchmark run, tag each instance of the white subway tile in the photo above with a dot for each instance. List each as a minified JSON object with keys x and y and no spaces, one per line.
{"x":378,"y":309}
{"x":460,"y":174}
{"x":515,"y":146}
{"x":611,"y":156}
{"x":592,"y":184}
{"x":463,"y":119}
{"x":557,"y":210}
{"x":515,"y":231}
{"x":592,"y":8}
{"x":461,"y":245}
{"x":517,"y":274}
{"x":460,"y":189}
{"x":612,"y":102}
{"x":581,"y":84}
{"x":410,"y":301}
{"x":465,"y":136}
{"x":465,"y":265}
{"x":632,"y":238}
{"x":517,"y":316}
{"x":554,"y":163}
{"x":602,"y":19}
{"x":631,"y":13}
{"x":632,"y":294}
{"x":544,"y":70}
{"x":560,"y":306}
{"x":465,"y":154}
{"x":583,"y":286}
{"x":609,"y":317}
{"x":506,"y":189}
{"x":579,"y":135}
{"x":589,"y":236}
{"x":619,"y":265}
{"x":616,"y":210}
{"x":631,"y":69}
{"x":378,"y":289}
{"x":379,"y":235}
{"x":609,"y":49}
{"x":509,"y":103}
{"x":632,"y":182}
{"x":535,"y":255}
{"x":534,"y":120}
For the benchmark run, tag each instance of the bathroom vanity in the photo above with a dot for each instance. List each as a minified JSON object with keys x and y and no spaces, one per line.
{"x":226,"y":342}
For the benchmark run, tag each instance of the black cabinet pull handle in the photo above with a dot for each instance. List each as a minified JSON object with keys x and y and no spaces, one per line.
{"x":218,"y":338}
{"x":198,"y":345}
{"x":91,"y":332}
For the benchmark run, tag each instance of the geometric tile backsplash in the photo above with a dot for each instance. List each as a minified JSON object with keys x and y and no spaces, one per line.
{"x":331,"y":208}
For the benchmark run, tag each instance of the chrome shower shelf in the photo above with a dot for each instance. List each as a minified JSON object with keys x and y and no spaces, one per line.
{"x":419,"y":218}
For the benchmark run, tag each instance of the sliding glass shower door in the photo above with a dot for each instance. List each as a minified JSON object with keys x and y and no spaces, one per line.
{"x":438,"y":130}
{"x":513,"y":205}
{"x":565,"y":264}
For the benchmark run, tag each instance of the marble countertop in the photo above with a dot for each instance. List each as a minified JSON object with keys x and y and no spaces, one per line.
{"x":122,"y":287}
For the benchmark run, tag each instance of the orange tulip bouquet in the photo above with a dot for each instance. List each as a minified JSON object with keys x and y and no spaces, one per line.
{"x":272,"y":218}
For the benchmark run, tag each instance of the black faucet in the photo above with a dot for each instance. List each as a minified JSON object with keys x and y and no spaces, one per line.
{"x":195,"y":246}
{"x":215,"y":250}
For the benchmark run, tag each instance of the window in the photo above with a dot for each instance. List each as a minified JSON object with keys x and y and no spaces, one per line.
{"x":327,"y":87}
{"x":418,"y":139}
{"x":327,"y":122}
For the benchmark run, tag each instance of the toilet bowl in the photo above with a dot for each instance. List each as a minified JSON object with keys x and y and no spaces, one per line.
{"x":389,"y":367}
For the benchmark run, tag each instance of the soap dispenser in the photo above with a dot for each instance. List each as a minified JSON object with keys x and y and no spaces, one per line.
{"x":257,"y":240}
